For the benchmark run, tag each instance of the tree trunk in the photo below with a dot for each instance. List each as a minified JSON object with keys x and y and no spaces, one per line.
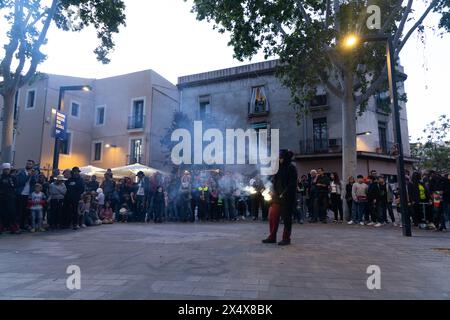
{"x":7,"y":127}
{"x":349,"y":152}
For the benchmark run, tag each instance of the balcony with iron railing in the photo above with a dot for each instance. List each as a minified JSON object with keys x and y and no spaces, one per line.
{"x":258,"y":110}
{"x":320,"y":146}
{"x":310,"y":147}
{"x":136,"y":123}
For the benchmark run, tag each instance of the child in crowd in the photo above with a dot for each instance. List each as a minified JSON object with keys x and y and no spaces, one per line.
{"x":106,"y":214}
{"x":100,"y":198}
{"x":37,"y":203}
{"x":123,"y":214}
{"x":91,"y":218}
{"x":128,"y":204}
{"x":438,"y":212}
{"x":84,"y":208}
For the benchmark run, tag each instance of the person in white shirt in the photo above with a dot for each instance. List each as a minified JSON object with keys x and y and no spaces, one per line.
{"x":100,"y":198}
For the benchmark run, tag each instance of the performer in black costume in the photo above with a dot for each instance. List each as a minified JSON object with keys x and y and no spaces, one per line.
{"x":283,"y":202}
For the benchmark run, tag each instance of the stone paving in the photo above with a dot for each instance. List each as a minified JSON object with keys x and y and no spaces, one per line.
{"x":224,"y":261}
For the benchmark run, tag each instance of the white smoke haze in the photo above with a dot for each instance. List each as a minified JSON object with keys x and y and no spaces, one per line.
{"x":236,"y":147}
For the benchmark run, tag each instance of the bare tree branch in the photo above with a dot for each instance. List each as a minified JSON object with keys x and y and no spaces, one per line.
{"x":433,"y":4}
{"x":36,"y":54}
{"x":401,"y":27}
{"x":13,"y":44}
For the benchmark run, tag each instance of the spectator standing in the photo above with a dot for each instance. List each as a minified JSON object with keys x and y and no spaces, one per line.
{"x":108,"y":185}
{"x":8,"y":201}
{"x":159,"y":205}
{"x":384,"y":202}
{"x":446,"y":198}
{"x":25,"y":181}
{"x":75,"y":188}
{"x":57,"y":192}
{"x":313,"y":196}
{"x":359,"y":194}
{"x":142,"y":193}
{"x":228,"y":187}
{"x":92,"y":185}
{"x":336,"y":198}
{"x":349,"y":196}
{"x":323,"y":188}
{"x":419,"y":196}
{"x":301,"y":199}
{"x":372,"y":196}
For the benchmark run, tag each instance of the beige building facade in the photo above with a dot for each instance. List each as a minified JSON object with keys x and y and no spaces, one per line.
{"x":119,"y":122}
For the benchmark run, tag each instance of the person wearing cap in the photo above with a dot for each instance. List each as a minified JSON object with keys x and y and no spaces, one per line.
{"x":8,"y":218}
{"x":283,"y":199}
{"x":56,"y":193}
{"x":75,"y":188}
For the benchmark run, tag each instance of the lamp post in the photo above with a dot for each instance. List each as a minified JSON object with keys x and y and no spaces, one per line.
{"x":367,"y":133}
{"x":62,"y":91}
{"x":352,"y":41}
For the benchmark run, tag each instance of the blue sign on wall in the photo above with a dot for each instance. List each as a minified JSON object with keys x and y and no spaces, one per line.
{"x":61,"y":126}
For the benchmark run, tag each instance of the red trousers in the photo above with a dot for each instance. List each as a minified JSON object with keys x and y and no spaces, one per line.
{"x":275,"y":212}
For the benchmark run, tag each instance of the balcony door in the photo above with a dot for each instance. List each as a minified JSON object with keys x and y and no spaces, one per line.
{"x":320,"y":135}
{"x":136,"y":151}
{"x":137,"y":116}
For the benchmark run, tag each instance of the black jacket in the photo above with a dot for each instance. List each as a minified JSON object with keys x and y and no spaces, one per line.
{"x":447,"y":192}
{"x":75,"y":188}
{"x":285,"y":185}
{"x":7,"y":186}
{"x":373,"y":192}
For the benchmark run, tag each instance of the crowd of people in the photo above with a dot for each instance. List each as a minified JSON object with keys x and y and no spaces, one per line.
{"x":371,"y":200}
{"x":31,"y":202}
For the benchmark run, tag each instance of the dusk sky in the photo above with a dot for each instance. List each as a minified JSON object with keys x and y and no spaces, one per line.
{"x":164,"y":35}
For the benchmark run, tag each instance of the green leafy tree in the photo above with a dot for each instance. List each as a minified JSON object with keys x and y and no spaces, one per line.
{"x":432,"y":151}
{"x":28,"y":22}
{"x":309,"y":37}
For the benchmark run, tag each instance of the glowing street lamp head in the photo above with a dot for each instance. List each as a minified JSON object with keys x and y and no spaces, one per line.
{"x":87,"y":88}
{"x":351,"y":41}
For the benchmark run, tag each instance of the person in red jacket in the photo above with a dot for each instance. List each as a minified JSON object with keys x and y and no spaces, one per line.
{"x":283,"y":202}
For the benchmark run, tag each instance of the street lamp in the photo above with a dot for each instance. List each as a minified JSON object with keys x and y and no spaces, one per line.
{"x":350,"y":42}
{"x":62,"y":91}
{"x":367,"y":133}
